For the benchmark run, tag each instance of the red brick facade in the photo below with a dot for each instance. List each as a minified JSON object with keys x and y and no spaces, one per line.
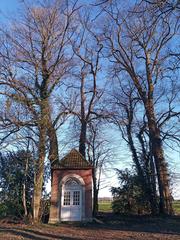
{"x":58,"y":174}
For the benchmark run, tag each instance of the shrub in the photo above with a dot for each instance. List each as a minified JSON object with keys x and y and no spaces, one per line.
{"x":129,"y":197}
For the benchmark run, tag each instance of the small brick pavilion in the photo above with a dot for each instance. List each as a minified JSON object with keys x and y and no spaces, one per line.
{"x":71,"y":193}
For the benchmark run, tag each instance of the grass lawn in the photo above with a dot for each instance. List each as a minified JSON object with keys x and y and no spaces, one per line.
{"x":106,"y":206}
{"x":176,"y":206}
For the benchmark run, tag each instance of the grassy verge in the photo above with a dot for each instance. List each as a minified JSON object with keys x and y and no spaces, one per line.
{"x":106,"y":207}
{"x":176,"y":206}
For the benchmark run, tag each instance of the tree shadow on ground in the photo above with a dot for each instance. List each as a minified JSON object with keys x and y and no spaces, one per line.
{"x":33,"y":234}
{"x":149,"y":224}
{"x":105,"y":222}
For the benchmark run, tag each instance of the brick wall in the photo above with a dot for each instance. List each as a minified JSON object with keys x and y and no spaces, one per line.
{"x":58,"y":175}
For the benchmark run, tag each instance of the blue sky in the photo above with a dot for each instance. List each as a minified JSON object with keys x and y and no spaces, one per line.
{"x":7,"y":7}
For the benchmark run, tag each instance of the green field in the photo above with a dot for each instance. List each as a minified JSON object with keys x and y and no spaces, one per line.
{"x":176,"y":206}
{"x":106,"y":206}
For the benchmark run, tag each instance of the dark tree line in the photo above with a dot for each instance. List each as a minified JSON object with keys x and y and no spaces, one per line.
{"x":16,"y":183}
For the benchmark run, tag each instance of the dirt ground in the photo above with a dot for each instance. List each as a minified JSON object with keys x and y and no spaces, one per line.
{"x":106,"y":227}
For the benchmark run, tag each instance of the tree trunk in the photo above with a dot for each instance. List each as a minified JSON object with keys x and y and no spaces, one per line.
{"x":165,"y":204}
{"x":95,"y":193}
{"x":143,"y":175}
{"x":149,"y":181}
{"x":53,"y":140}
{"x":95,"y":202}
{"x":134,"y":153}
{"x":24,"y":189}
{"x":151,"y":189}
{"x":53,"y":152}
{"x":152,"y":185}
{"x":145,"y":180}
{"x":39,"y":174}
{"x":82,"y":140}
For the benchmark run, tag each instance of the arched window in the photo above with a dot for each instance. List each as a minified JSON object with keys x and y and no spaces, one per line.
{"x":73,"y":197}
{"x":72,"y":188}
{"x":71,"y":182}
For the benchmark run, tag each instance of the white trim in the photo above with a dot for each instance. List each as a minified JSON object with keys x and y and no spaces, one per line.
{"x":62,"y":188}
{"x":73,"y":175}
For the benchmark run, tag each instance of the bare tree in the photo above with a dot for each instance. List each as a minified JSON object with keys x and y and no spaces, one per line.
{"x":87,"y":98}
{"x":133,"y":129}
{"x":35,"y":58}
{"x":99,"y":155}
{"x":87,"y":49}
{"x":138,"y":46}
{"x":163,"y":7}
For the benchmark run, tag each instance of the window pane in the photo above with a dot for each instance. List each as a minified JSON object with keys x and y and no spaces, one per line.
{"x":71,"y":182}
{"x":66,"y":198}
{"x":76,"y":198}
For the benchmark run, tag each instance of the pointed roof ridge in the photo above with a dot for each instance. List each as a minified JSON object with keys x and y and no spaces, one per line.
{"x":74,"y":150}
{"x":73,"y":160}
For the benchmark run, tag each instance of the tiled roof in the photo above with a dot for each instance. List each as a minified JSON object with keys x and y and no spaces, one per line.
{"x":73,"y":159}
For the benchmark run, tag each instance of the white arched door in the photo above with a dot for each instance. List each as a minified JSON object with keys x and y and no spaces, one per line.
{"x":71,"y":202}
